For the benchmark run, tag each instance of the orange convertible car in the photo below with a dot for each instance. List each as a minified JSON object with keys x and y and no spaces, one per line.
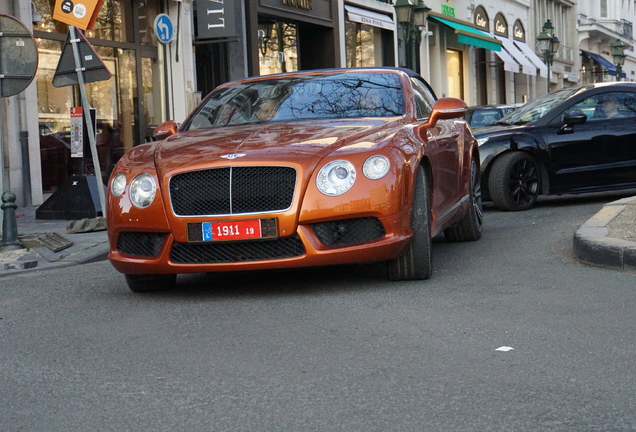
{"x":310,"y":168}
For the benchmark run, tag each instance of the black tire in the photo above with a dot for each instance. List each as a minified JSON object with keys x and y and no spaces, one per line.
{"x":149,"y":283}
{"x":471,"y":226}
{"x":514,"y":181}
{"x":416,"y":263}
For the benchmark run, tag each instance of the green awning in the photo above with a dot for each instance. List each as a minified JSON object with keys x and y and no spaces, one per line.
{"x":470,"y":35}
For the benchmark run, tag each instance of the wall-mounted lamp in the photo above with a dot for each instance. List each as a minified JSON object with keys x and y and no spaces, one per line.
{"x":36,"y":18}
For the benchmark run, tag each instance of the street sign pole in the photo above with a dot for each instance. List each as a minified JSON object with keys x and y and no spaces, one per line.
{"x":87,"y":116}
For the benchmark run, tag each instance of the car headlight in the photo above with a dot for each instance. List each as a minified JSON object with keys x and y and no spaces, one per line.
{"x":376,"y":167}
{"x":482,"y":141}
{"x":143,"y":190}
{"x":118,"y":184}
{"x":336,"y":177}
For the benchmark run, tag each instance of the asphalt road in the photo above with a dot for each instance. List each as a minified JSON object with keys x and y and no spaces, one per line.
{"x":338,"y":349}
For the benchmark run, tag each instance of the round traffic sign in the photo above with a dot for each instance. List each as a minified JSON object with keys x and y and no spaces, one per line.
{"x":164,"y":29}
{"x":18,"y":56}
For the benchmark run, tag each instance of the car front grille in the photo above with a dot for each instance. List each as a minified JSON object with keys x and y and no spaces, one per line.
{"x":144,"y":244}
{"x":349,"y":231}
{"x":232,"y":190}
{"x":230,"y":252}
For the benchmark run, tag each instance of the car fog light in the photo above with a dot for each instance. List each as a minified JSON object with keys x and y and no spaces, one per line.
{"x":336,"y":177}
{"x":143,"y":190}
{"x":376,"y":167}
{"x":118,"y":184}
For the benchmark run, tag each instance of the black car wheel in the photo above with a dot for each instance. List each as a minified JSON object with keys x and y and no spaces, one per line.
{"x":470,"y":227}
{"x":416,"y":263}
{"x":149,"y":283}
{"x":514,"y":181}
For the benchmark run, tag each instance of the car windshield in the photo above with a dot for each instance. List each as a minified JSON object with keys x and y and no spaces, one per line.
{"x":346,"y":95}
{"x":536,"y":109}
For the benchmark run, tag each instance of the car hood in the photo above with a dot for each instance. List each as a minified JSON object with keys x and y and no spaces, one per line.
{"x":267,"y":142}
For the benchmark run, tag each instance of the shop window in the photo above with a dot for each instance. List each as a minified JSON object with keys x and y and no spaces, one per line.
{"x":146,"y":13}
{"x":455,"y":73}
{"x":113,"y":101}
{"x":54,"y":118}
{"x":363,"y":45}
{"x":153,"y":94}
{"x":278,"y":48}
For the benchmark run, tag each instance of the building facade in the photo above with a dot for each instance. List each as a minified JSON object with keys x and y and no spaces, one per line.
{"x":483,"y":51}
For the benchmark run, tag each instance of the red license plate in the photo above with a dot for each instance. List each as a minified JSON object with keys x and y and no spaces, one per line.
{"x":232,"y":230}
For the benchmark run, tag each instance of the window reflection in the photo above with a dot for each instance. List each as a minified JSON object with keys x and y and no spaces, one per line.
{"x":278,"y":50}
{"x":302,"y":98}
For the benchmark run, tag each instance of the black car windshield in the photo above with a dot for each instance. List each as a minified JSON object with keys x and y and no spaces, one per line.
{"x":336,"y":96}
{"x":536,"y":109}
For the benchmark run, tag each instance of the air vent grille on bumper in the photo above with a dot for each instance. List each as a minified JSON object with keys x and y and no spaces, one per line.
{"x":349,"y":231}
{"x":229,"y":252}
{"x":232,"y":190}
{"x":143,"y":244}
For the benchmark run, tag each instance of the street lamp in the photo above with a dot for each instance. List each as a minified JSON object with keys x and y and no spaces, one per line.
{"x":619,"y":58}
{"x":548,"y":45}
{"x":411,"y":17}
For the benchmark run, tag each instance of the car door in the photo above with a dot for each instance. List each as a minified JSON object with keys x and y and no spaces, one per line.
{"x":600,"y":153}
{"x":443,"y":152}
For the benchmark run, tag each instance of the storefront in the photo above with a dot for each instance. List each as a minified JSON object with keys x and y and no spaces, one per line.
{"x":495,"y":70}
{"x":456,"y":45}
{"x":127,"y":106}
{"x":369,"y":35}
{"x":291,"y":35}
{"x":219,"y":43}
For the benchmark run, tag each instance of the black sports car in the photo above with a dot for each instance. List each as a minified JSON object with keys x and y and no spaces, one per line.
{"x":575,"y":140}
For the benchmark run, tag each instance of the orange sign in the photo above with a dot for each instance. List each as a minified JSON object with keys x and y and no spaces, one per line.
{"x":79,"y":13}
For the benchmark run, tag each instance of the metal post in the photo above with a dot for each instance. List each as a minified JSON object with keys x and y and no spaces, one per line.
{"x":88,"y":119}
{"x":9,"y":227}
{"x":548,"y":62}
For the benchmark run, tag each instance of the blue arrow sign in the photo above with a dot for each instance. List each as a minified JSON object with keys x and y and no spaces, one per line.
{"x":164,"y":29}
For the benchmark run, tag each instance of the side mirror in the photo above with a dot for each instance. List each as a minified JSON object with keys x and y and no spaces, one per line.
{"x":574,"y":118}
{"x":165,"y":129}
{"x":447,"y":108}
{"x":570,"y":119}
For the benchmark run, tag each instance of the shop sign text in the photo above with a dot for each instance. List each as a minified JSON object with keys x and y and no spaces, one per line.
{"x":215,"y":19}
{"x":301,"y":4}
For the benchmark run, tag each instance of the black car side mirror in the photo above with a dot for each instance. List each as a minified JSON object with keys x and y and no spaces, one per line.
{"x":570,"y":119}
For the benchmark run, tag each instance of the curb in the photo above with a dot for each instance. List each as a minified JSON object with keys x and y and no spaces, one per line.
{"x":593,"y":246}
{"x":34,"y":263}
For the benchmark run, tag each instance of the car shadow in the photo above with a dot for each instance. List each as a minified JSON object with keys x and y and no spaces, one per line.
{"x":574,"y":200}
{"x":284,"y":282}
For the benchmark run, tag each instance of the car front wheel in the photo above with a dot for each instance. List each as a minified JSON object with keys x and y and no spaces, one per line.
{"x":416,"y":263}
{"x":471,"y":226}
{"x":514,"y":181}
{"x":149,"y":283}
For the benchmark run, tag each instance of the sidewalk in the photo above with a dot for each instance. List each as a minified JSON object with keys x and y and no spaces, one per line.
{"x":48,"y":244}
{"x":608,"y":239}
